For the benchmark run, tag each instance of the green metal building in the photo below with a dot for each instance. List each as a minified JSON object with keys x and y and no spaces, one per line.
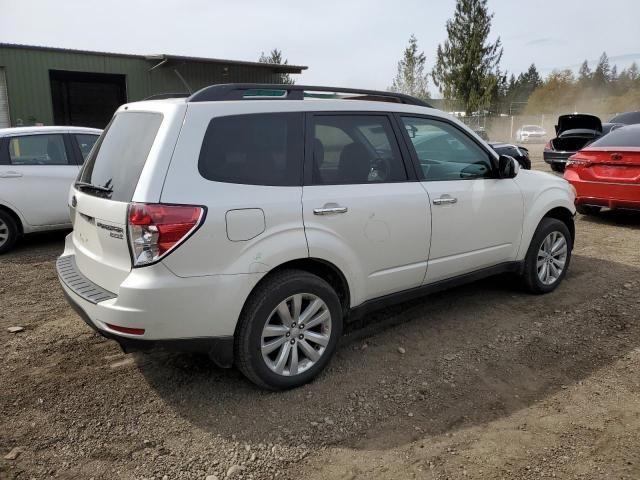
{"x":55,"y":86}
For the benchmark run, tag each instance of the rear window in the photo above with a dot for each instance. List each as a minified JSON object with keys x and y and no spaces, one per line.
{"x":117,"y":159}
{"x":620,"y":137}
{"x":257,"y":149}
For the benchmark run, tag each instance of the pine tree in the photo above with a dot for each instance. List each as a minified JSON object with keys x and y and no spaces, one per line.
{"x":275,"y":58}
{"x":467,"y":63}
{"x":602,"y":74}
{"x":411,"y":79}
{"x":584,"y":74}
{"x":527,"y":83}
{"x":633,"y":73}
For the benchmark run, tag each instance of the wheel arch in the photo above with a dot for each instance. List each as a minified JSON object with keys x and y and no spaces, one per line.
{"x":319,"y":267}
{"x":553,"y":200}
{"x":565,"y":216}
{"x":16,"y":217}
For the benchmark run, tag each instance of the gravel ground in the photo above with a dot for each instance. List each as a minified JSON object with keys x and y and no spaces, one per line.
{"x":492,"y":383}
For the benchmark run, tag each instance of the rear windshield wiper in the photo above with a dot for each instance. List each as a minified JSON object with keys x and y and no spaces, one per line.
{"x":91,"y":186}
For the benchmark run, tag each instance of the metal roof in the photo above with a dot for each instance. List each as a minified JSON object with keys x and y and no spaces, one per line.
{"x":278,"y":68}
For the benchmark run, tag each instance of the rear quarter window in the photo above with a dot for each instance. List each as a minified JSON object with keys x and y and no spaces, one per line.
{"x":118,"y":157}
{"x":257,"y":149}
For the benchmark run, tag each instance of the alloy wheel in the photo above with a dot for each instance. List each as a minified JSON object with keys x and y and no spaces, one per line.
{"x":4,"y":232}
{"x":296,"y":334}
{"x":552,"y":257}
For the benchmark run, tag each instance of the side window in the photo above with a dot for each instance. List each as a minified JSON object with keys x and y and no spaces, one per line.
{"x":37,"y":150}
{"x":257,"y":149}
{"x":85,"y":143}
{"x":354,"y":149}
{"x":444,"y":152}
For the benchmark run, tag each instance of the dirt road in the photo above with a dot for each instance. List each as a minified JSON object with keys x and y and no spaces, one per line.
{"x":494,"y":383}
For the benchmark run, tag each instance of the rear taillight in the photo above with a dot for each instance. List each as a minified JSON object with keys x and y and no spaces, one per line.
{"x":547,"y":146}
{"x":575,"y":160}
{"x":155,"y":229}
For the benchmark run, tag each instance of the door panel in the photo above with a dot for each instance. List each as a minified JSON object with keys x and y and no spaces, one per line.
{"x":37,"y":177}
{"x":476,"y":217}
{"x":360,"y":210}
{"x":482,"y":228}
{"x":380,"y":241}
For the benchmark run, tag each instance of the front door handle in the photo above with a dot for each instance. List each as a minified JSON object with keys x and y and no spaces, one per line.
{"x":445,"y":200}
{"x":330,"y":209}
{"x":10,"y":174}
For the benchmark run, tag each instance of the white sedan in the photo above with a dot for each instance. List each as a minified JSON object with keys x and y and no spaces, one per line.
{"x":37,"y":167}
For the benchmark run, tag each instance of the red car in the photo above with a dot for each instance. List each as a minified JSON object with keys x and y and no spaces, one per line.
{"x":606,"y":173}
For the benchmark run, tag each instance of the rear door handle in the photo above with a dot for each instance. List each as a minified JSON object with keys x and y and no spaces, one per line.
{"x":330,"y":210}
{"x":10,"y":174}
{"x":445,"y":200}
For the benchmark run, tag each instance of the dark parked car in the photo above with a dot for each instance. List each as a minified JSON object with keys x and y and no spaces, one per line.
{"x":521,"y":154}
{"x":627,"y":118}
{"x":573,"y":132}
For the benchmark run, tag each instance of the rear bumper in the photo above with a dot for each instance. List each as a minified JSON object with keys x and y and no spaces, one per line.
{"x":197,"y":314}
{"x":604,"y":194}
{"x":219,"y":349}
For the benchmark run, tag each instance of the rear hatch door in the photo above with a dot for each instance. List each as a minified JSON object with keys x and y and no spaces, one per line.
{"x":578,"y":121}
{"x":114,"y":174}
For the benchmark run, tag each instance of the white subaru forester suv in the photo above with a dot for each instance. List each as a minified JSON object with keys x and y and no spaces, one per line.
{"x":250,"y":221}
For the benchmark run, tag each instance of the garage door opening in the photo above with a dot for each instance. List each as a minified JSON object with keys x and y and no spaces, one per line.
{"x":86,"y":99}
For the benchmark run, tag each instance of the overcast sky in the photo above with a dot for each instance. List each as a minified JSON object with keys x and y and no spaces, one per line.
{"x":345,"y":43}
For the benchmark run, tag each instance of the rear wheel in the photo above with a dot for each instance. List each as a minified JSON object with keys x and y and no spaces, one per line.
{"x":588,"y":209}
{"x":548,"y":256}
{"x":8,"y":232}
{"x":288,"y":330}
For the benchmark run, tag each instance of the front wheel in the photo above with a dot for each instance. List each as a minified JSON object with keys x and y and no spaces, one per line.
{"x":548,"y":256}
{"x":8,"y":232}
{"x":288,"y":330}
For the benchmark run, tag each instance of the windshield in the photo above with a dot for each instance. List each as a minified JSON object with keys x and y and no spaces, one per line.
{"x":116,"y":161}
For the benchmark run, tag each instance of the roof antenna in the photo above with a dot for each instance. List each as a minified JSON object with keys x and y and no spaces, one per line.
{"x":184,"y":82}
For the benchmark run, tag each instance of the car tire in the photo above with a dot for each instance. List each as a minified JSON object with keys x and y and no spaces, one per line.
{"x":588,"y":209}
{"x":261,"y":326}
{"x":8,"y":232}
{"x":557,"y":167}
{"x":542,"y":251}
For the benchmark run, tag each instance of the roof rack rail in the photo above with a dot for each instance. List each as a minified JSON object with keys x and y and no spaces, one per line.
{"x":267,"y":91}
{"x":163,"y":96}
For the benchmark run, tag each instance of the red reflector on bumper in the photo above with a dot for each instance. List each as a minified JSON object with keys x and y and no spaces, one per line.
{"x":130,"y":331}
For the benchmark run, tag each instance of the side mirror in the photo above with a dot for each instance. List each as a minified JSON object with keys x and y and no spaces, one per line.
{"x":508,"y":167}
